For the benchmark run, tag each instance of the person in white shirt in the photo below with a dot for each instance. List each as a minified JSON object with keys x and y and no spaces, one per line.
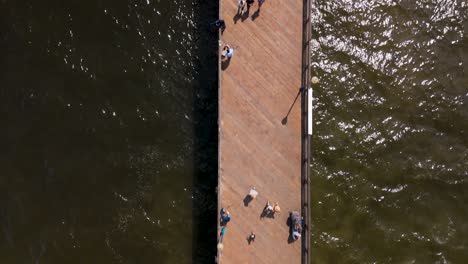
{"x":268,"y":208}
{"x":253,"y":193}
{"x":241,"y":7}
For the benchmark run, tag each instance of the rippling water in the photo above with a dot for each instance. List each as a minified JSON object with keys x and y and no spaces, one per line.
{"x":108,"y":139}
{"x":390,"y":182}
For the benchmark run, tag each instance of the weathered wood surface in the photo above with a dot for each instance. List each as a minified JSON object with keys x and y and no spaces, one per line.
{"x":255,"y":149}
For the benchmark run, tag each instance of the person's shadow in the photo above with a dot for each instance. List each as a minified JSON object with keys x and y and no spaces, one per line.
{"x":225,"y":63}
{"x":236,"y":18}
{"x":246,"y":14}
{"x":268,"y":214}
{"x":289,"y":224}
{"x":247,"y":200}
{"x":256,"y":14}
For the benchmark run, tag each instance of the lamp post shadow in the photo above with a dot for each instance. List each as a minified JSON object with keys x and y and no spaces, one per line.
{"x":284,"y":121}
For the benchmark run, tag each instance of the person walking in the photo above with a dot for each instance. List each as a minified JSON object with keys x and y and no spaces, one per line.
{"x":251,"y":237}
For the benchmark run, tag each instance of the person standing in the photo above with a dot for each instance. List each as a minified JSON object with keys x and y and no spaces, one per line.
{"x":250,"y":3}
{"x":251,"y":237}
{"x":241,"y":7}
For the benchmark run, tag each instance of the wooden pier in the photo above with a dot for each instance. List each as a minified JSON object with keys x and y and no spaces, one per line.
{"x":259,"y":144}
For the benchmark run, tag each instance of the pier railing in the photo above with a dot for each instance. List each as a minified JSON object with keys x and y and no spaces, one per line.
{"x":218,"y":188}
{"x":306,"y":133}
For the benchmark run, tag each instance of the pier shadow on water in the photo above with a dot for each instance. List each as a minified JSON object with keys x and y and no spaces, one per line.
{"x":103,"y":118}
{"x":204,"y":224}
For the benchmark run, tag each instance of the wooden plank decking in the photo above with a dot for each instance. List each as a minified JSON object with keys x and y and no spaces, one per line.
{"x":255,"y":149}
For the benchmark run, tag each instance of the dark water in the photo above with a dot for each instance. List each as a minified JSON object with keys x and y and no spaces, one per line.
{"x":108,"y":131}
{"x":390,"y":167}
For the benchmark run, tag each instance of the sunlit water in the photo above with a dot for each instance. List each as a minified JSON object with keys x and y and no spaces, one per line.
{"x":390,"y":149}
{"x":108,"y":131}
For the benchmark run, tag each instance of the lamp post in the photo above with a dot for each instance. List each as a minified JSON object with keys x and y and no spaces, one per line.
{"x":315,"y":80}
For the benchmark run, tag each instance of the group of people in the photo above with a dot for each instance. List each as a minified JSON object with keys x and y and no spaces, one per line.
{"x":220,"y":24}
{"x":227,"y":51}
{"x":268,"y":211}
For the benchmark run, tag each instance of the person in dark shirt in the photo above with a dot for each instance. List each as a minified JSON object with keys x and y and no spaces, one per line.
{"x":225,"y":216}
{"x":251,"y":238}
{"x":218,"y":24}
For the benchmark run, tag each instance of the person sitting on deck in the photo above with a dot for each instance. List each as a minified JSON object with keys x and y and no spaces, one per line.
{"x":225,"y":216}
{"x":253,"y":193}
{"x":268,"y":208}
{"x":276,"y":208}
{"x":227,"y":52}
